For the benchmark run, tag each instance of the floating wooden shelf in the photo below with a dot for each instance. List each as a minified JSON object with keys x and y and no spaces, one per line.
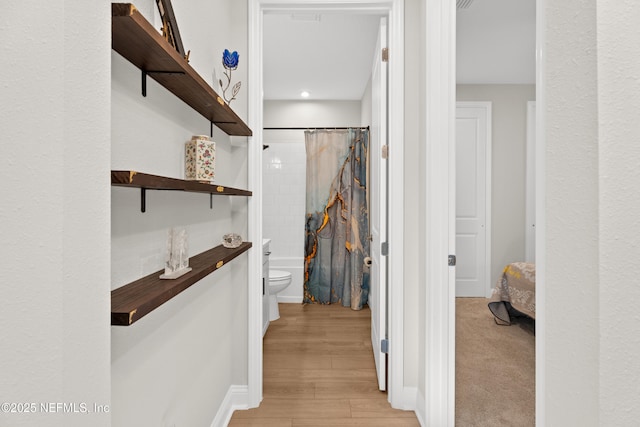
{"x":155,"y":182}
{"x":131,"y":302}
{"x":133,"y":37}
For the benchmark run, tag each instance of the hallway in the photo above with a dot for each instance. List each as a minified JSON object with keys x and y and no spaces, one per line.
{"x":316,"y":378}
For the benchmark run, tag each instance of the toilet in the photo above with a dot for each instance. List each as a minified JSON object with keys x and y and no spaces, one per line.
{"x":278,"y":281}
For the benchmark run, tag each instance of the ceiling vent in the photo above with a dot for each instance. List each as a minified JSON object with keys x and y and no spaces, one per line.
{"x":463,"y":4}
{"x":306,"y":17}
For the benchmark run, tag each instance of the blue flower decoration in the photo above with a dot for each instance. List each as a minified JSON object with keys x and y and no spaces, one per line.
{"x":230,"y":60}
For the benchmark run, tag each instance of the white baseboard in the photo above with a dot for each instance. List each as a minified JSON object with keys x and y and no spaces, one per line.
{"x":408,"y":399}
{"x":237,"y":397}
{"x":289,"y":300}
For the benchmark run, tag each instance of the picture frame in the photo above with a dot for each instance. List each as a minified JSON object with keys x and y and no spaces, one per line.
{"x":170,"y":25}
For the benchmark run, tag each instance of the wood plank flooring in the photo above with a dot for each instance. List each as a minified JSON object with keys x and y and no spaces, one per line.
{"x":319,"y":371}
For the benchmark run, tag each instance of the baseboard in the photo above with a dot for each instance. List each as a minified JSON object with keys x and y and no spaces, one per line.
{"x":408,"y":399}
{"x":289,"y":300}
{"x":237,"y":397}
{"x":421,"y":409}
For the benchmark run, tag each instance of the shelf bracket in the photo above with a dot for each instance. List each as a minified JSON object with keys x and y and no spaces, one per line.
{"x":143,"y":200}
{"x":147,"y":72}
{"x":210,"y":200}
{"x":211,"y":129}
{"x":144,"y":85}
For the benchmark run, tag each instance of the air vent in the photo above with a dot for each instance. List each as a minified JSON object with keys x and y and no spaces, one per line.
{"x":306,"y":17}
{"x":463,"y":4}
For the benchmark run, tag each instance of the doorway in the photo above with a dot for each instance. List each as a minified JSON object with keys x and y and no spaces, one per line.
{"x":473,"y":199}
{"x":394,"y":11}
{"x":483,"y":76}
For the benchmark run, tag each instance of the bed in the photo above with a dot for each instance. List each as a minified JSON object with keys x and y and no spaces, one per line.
{"x":515,"y":293}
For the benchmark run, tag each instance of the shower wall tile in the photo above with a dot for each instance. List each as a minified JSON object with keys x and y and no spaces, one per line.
{"x":284,"y":179}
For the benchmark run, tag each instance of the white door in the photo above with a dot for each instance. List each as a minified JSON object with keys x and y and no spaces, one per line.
{"x":473,"y":190}
{"x":378,"y":206}
{"x":530,"y":210}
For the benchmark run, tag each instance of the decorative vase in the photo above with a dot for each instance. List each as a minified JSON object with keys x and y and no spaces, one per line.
{"x":200,"y":159}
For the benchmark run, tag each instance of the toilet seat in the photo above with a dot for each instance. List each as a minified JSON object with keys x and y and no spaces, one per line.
{"x":279,"y":274}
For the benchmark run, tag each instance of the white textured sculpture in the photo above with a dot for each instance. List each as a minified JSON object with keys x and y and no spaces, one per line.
{"x":177,"y":255}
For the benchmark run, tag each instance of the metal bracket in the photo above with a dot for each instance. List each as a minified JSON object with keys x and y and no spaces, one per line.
{"x":452,"y":260}
{"x":384,"y":346}
{"x":210,"y":200}
{"x":384,"y":248}
{"x":146,"y":72}
{"x":143,"y":200}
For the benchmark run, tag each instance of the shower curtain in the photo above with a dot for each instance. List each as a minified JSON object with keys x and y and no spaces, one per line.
{"x":337,"y":218}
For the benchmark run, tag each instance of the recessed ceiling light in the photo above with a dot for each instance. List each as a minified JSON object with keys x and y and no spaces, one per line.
{"x":304,"y":94}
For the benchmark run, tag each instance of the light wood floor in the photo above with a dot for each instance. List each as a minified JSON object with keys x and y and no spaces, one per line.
{"x":319,"y":371}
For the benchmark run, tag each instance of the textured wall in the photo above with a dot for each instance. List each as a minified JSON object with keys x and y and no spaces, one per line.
{"x":619,"y":133}
{"x":572,"y":234}
{"x":54,"y":215}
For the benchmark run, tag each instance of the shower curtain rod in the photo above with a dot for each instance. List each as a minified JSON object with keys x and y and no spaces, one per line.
{"x":321,"y":128}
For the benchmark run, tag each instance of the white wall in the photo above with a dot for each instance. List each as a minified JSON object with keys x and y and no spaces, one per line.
{"x":572,"y":260}
{"x":176,"y":364}
{"x":412,"y":169}
{"x":508,"y":125}
{"x":619,"y":157}
{"x":284,"y":174}
{"x":54,"y":215}
{"x":592,"y":329}
{"x":592,"y":233}
{"x":366,"y":106}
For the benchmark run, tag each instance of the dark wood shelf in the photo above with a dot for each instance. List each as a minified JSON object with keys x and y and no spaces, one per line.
{"x":133,"y":37}
{"x":155,"y":182}
{"x":131,"y":302}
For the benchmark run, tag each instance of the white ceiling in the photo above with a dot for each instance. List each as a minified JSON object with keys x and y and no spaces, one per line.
{"x":330,"y":55}
{"x":496,"y":41}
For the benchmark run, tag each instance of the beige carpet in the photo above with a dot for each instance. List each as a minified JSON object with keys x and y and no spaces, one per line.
{"x":495,"y":368}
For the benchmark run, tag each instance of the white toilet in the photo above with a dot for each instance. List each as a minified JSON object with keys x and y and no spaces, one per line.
{"x":278,"y":281}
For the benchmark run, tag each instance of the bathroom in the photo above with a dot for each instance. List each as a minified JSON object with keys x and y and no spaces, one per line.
{"x":331,"y":102}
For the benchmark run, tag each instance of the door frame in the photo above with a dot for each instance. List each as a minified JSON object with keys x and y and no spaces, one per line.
{"x":437,"y":382}
{"x":398,"y":395}
{"x":488,"y":149}
{"x":530,"y":184}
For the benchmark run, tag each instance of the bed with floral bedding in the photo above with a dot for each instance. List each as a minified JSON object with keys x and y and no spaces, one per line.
{"x":515,"y":293}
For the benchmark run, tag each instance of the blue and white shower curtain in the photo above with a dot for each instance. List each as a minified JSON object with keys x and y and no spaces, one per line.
{"x":337,"y":217}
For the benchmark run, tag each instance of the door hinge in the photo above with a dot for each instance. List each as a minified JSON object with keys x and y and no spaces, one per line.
{"x":384,"y":346}
{"x":385,"y":151}
{"x":452,"y":260}
{"x":385,"y":54}
{"x":384,"y":248}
